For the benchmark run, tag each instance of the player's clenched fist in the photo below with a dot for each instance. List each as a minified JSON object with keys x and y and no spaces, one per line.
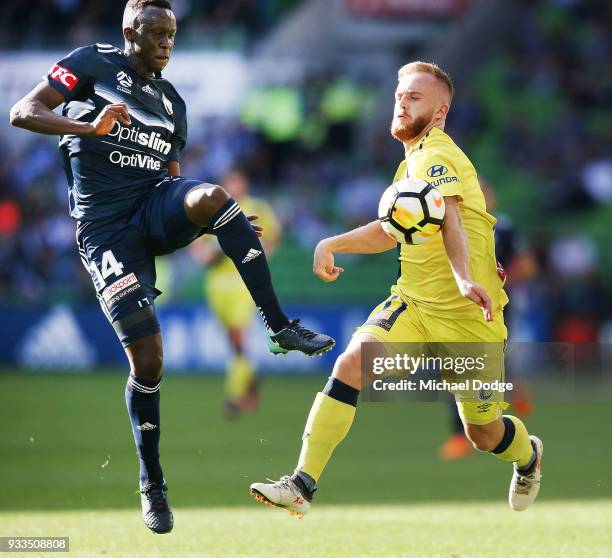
{"x":323,"y":264}
{"x":105,"y":121}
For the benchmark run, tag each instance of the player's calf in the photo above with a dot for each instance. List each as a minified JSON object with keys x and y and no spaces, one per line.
{"x":328,"y":423}
{"x":525,"y":452}
{"x":211,"y":206}
{"x":485,"y":437}
{"x":142,"y":401}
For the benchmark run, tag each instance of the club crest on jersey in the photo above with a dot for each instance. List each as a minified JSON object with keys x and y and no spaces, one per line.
{"x":125,"y":82}
{"x":167,"y":105}
{"x":64,"y":76}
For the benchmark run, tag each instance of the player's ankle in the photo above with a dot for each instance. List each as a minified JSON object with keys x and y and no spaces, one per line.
{"x":529,"y":468}
{"x":305,"y":483}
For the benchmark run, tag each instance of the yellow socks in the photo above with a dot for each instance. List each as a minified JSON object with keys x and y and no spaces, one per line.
{"x":238,"y":377}
{"x":328,"y":423}
{"x":515,"y":445}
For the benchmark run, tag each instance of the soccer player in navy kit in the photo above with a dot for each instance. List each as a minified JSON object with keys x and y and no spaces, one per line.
{"x":121,"y":131}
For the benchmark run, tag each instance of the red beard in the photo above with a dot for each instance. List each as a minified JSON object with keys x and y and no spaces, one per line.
{"x":405,"y":132}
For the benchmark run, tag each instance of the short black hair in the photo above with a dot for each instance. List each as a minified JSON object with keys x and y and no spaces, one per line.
{"x":139,"y":5}
{"x":133,"y":8}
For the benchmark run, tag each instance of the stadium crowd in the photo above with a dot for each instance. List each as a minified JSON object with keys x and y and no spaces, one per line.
{"x":543,"y":111}
{"x":33,"y":23}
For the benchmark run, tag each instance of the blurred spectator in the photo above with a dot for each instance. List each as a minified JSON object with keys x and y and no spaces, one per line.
{"x":36,"y":23}
{"x":536,"y":120}
{"x":573,"y":255}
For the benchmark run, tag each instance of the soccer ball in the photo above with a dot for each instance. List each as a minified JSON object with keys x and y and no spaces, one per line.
{"x":411,"y":211}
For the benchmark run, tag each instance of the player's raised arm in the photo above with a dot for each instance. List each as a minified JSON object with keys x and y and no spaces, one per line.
{"x":369,"y":239}
{"x":35,"y":113}
{"x":455,"y":242}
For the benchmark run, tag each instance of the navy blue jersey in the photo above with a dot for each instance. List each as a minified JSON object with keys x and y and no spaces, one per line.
{"x":109,"y":175}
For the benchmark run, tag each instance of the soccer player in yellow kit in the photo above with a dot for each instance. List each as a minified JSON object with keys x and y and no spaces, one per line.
{"x":230,"y":301}
{"x":448,"y":291}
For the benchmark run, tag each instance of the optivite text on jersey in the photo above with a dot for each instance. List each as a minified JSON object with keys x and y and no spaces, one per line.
{"x":135,"y":160}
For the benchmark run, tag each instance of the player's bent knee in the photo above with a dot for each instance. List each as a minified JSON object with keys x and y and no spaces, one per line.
{"x":348,"y":368}
{"x":203,"y":201}
{"x":148,"y":368}
{"x":146,"y":358}
{"x":482,"y":438}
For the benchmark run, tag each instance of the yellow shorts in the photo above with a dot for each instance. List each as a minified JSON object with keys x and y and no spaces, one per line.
{"x":397,"y":320}
{"x":229,"y":300}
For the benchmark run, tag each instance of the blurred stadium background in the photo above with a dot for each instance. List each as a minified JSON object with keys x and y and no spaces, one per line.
{"x":298,"y":94}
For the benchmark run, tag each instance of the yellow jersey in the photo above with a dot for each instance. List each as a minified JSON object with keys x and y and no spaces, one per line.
{"x":425,"y":275}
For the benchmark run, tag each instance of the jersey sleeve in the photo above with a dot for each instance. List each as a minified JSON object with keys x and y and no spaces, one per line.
{"x":179,"y":138}
{"x":437,"y":168}
{"x":73,"y":73}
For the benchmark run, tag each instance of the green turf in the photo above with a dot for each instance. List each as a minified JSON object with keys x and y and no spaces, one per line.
{"x":66,"y":445}
{"x":487,"y":530}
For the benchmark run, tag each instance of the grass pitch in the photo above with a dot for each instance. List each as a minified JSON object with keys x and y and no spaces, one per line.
{"x":68,"y":468}
{"x":491,"y":530}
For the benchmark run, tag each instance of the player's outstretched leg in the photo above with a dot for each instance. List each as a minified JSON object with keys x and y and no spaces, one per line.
{"x":211,"y":206}
{"x":142,"y":399}
{"x":329,"y":421}
{"x":507,"y":439}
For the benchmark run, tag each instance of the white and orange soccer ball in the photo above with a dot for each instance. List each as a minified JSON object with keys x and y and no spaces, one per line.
{"x":411,"y":211}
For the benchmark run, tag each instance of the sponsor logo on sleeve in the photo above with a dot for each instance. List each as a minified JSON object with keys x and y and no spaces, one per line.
{"x":120,"y":288}
{"x":436,"y":170}
{"x":64,"y":76}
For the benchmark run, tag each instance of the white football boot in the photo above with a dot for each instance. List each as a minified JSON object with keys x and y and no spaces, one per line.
{"x":282,"y":493}
{"x":524,"y":489}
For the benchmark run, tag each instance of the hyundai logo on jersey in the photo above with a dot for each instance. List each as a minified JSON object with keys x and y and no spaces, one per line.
{"x":437,"y":170}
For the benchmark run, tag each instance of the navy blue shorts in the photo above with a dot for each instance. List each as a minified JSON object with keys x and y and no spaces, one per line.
{"x":119,"y":254}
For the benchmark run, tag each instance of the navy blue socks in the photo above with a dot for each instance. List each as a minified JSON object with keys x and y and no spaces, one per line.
{"x":340,"y":391}
{"x":142,"y":400}
{"x":241,"y":244}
